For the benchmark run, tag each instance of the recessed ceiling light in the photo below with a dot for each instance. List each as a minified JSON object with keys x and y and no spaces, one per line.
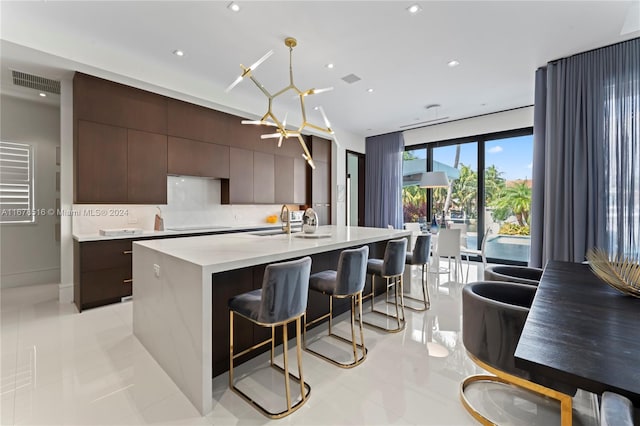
{"x":453,"y":63}
{"x":234,"y":7}
{"x":330,"y":66}
{"x":369,"y":90}
{"x":42,"y":94}
{"x":413,"y":9}
{"x":178,"y":52}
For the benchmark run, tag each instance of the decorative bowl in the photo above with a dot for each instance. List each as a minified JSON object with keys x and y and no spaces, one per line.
{"x":620,"y":272}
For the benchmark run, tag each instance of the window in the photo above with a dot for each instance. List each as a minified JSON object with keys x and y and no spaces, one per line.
{"x":16,"y":183}
{"x":490,"y":189}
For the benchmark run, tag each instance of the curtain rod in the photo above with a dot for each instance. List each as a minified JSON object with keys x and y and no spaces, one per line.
{"x":591,"y":50}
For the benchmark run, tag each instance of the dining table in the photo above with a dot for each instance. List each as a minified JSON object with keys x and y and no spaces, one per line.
{"x":582,"y":332}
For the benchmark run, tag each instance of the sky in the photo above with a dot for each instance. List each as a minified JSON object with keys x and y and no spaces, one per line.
{"x":511,"y":156}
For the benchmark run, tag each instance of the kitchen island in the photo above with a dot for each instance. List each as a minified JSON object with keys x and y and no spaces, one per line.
{"x":182,"y":286}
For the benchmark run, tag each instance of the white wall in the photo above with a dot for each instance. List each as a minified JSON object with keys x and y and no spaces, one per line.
{"x":490,"y":123}
{"x":29,"y":253}
{"x":346,"y":141}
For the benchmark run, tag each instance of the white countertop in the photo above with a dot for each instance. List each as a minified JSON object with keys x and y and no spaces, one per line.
{"x":238,"y":250}
{"x":174,"y":232}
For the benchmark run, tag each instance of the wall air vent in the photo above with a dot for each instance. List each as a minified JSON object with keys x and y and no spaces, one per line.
{"x":351,"y":78}
{"x":35,"y":82}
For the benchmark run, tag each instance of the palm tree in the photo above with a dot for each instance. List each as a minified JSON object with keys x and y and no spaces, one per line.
{"x":464,"y":191}
{"x":494,"y":183}
{"x":517,"y":198}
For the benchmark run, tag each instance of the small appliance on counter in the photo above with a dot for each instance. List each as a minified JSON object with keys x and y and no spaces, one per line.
{"x":295,"y":219}
{"x":158,"y":224}
{"x":310,"y":221}
{"x":117,"y":232}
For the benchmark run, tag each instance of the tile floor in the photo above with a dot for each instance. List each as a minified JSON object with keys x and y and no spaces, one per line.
{"x":61,"y":367}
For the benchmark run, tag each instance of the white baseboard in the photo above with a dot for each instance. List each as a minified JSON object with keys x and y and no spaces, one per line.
{"x":28,"y":278}
{"x":65,"y":293}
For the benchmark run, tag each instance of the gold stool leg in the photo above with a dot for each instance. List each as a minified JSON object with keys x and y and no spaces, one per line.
{"x":285,"y":357}
{"x":299,"y":353}
{"x":230,"y":348}
{"x":353,"y":330}
{"x":364,"y":349}
{"x":395,"y":293}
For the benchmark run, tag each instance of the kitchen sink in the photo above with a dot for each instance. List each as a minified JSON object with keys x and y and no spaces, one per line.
{"x":272,"y":232}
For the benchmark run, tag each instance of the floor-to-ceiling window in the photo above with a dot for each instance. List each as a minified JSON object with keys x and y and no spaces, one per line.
{"x":507,"y":196}
{"x":495,"y":202}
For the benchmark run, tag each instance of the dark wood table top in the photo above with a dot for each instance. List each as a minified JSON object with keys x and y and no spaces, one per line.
{"x":582,"y":332}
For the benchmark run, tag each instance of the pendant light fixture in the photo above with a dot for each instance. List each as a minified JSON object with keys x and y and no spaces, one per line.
{"x":270,"y":119}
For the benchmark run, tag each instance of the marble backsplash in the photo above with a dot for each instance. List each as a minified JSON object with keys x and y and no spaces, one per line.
{"x":191,"y":201}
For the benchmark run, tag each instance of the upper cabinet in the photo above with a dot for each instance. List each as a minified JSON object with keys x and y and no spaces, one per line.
{"x":240,"y":176}
{"x":194,"y":158}
{"x":146,"y":167}
{"x":103,"y":101}
{"x":117,"y":165}
{"x":101,"y":163}
{"x":127,"y":140}
{"x":198,"y":123}
{"x":263,"y":178}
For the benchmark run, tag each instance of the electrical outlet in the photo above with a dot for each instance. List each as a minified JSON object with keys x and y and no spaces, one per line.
{"x":156,"y":270}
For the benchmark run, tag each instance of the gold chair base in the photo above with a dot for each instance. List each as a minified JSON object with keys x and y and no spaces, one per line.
{"x":357,"y":360}
{"x":426,"y":300}
{"x":509,"y":379}
{"x":305,"y":389}
{"x":281,"y":414}
{"x":397,"y":283}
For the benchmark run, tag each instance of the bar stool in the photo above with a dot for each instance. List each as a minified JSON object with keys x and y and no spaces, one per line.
{"x":420,"y":256}
{"x":281,"y":300}
{"x":347,"y":281}
{"x":391,"y":269}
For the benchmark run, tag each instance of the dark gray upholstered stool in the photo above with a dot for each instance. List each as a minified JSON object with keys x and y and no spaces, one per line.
{"x":615,"y":410}
{"x":347,"y":281}
{"x":493,"y":316}
{"x":281,"y":300}
{"x":391,"y":269}
{"x":514,"y":274}
{"x":420,"y":256}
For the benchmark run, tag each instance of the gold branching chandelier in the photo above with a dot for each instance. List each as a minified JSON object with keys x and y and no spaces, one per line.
{"x":270,"y":119}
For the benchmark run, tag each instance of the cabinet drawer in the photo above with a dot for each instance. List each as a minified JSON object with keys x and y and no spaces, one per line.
{"x":97,"y":255}
{"x":105,"y":285}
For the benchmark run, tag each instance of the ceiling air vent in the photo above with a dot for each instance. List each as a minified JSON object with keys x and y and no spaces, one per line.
{"x":351,"y":78}
{"x":35,"y":82}
{"x":423,"y":123}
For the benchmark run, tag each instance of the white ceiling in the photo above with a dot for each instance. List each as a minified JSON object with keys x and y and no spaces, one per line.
{"x":402,"y":57}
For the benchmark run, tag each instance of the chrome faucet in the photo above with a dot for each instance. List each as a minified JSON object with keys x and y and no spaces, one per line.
{"x":285,"y":216}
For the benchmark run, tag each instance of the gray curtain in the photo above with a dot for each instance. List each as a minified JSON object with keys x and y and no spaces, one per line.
{"x":575,"y":177}
{"x":383,"y":180}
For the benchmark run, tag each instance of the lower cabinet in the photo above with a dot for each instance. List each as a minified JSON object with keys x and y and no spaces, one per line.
{"x":103,"y":271}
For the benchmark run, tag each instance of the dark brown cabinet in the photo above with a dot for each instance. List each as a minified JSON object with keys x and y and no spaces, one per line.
{"x":290,"y":180}
{"x":146,"y":167}
{"x":102,"y":272}
{"x":263,"y":178}
{"x":198,"y":123}
{"x":101,"y":163}
{"x":103,"y":101}
{"x":127,"y":140}
{"x":240,"y":176}
{"x":194,"y":158}
{"x":117,"y":165}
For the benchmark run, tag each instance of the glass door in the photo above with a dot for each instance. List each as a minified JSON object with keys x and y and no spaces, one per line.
{"x":507,"y":197}
{"x":457,"y":205}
